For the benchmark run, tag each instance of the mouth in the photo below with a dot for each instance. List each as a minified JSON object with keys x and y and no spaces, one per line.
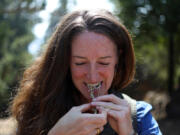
{"x":94,"y":86}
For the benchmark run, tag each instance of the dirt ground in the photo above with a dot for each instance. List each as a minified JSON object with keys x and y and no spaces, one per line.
{"x":168,"y":126}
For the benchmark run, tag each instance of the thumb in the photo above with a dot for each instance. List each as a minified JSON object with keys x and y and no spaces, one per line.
{"x":84,"y":107}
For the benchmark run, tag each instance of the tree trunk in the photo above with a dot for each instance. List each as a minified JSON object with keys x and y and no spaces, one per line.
{"x":171,"y":64}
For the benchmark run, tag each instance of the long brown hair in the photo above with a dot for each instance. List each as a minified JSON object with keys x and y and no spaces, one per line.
{"x":46,"y":91}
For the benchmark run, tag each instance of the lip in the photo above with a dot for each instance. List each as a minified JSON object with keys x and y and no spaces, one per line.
{"x":96,"y":92}
{"x":86,"y":84}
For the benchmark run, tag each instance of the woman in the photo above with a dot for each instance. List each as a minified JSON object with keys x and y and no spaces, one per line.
{"x":89,"y":57}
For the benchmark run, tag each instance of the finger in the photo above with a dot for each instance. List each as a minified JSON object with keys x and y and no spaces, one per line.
{"x":108,"y":105}
{"x":97,"y":119}
{"x":119,"y":115}
{"x":100,"y":130}
{"x":109,"y":98}
{"x":84,"y":107}
{"x":113,"y":114}
{"x":97,"y":131}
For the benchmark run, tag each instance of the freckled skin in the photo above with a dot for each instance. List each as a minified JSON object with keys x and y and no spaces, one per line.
{"x":93,"y":60}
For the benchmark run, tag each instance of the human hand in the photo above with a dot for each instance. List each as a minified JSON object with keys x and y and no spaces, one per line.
{"x":77,"y":122}
{"x":118,"y":111}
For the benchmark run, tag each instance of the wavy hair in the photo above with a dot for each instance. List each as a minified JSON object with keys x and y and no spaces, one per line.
{"x":46,"y":91}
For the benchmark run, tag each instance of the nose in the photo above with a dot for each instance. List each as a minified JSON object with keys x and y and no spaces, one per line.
{"x":92,"y":74}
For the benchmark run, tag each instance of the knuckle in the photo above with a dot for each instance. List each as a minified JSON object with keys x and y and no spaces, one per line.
{"x":104,"y":121}
{"x":112,"y":96}
{"x":125,"y":102}
{"x":74,"y":108}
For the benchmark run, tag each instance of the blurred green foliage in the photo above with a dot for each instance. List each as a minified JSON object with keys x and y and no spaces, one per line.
{"x":16,"y":21}
{"x":155,"y":26}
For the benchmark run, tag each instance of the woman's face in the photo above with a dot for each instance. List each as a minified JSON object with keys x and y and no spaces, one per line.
{"x":93,"y":60}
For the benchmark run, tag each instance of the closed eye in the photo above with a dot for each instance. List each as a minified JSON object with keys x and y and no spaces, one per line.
{"x":102,"y":63}
{"x":78,"y":64}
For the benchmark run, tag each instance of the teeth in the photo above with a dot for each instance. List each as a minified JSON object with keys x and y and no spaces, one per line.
{"x":94,"y":86}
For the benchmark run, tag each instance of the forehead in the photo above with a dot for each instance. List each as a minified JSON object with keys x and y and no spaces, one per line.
{"x":92,"y":42}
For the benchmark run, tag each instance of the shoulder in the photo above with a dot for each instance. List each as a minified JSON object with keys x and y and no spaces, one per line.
{"x":143,"y":121}
{"x":146,"y":123}
{"x":143,"y":108}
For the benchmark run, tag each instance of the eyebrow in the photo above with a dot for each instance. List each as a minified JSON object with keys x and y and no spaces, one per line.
{"x":105,"y":57}
{"x":81,"y":57}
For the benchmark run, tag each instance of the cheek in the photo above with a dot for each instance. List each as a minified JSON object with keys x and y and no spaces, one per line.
{"x":107,"y":73}
{"x":77,"y":73}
